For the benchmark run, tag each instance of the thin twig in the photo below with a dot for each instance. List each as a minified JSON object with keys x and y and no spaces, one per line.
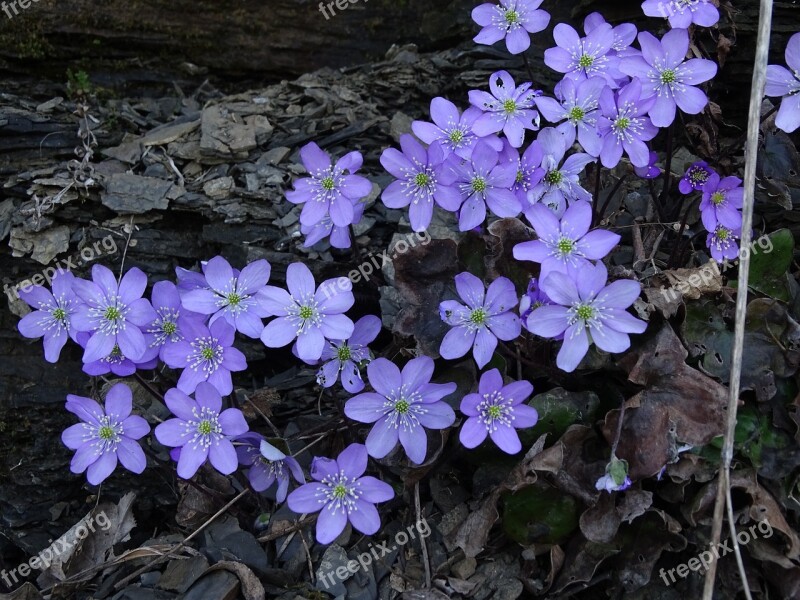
{"x":425,"y":559}
{"x":751,"y":152}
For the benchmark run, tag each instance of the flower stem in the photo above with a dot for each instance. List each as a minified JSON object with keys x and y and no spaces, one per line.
{"x":667,"y":169}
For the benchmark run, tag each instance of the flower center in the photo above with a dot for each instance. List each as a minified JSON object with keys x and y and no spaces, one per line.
{"x":668,"y":76}
{"x":106,"y":433}
{"x":586,"y":61}
{"x":169,"y":327}
{"x":234,"y":299}
{"x":456,"y":136}
{"x":339,"y":491}
{"x":512,"y":17}
{"x":478,"y":316}
{"x":328,"y":184}
{"x":479,"y":185}
{"x":59,"y":314}
{"x":509,"y":107}
{"x":565,"y":246}
{"x":520,"y":177}
{"x":112,"y":313}
{"x":722,"y":234}
{"x":495,"y":412}
{"x":402,"y":406}
{"x":306,"y":312}
{"x":622,"y":123}
{"x":422,"y":179}
{"x":718,"y":198}
{"x":205,"y":427}
{"x":697,"y":175}
{"x":553,"y":177}
{"x":115,"y":352}
{"x":576,"y":114}
{"x":207,"y":353}
{"x":584,"y":312}
{"x":343,"y":352}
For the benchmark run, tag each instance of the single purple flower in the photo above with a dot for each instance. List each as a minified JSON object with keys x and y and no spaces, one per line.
{"x":421,"y":181}
{"x":650,"y":170}
{"x":331,"y":189}
{"x":581,"y":58}
{"x":666,"y":74}
{"x":105,"y":435}
{"x":722,"y":201}
{"x":497,"y":410}
{"x":451,"y":130}
{"x":723,"y":244}
{"x":339,"y":236}
{"x":52,"y":313}
{"x":577,"y":105}
{"x":205,"y":354}
{"x":695,"y":177}
{"x":267,"y":465}
{"x":167,"y":328}
{"x":202,"y":430}
{"x":616,"y":478}
{"x":783,"y":82}
{"x":532,"y":299}
{"x":340,"y":493}
{"x":402,"y":406}
{"x":308,"y":314}
{"x":344,"y":356}
{"x":529,"y":170}
{"x":561,"y":183}
{"x":483,"y":181}
{"x":508,"y":108}
{"x":586,"y":311}
{"x":566,"y":246}
{"x":625,"y":126}
{"x":683,"y":13}
{"x":486,"y":318}
{"x":235,"y":296}
{"x":113,"y":314}
{"x":512,"y":20}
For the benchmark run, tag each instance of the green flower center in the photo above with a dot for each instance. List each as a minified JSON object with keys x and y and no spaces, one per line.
{"x":343,"y":352}
{"x":722,"y":234}
{"x":234,"y":299}
{"x":205,"y":427}
{"x":59,"y":314}
{"x":698,"y":176}
{"x":565,"y":246}
{"x":169,"y":327}
{"x":718,"y":198}
{"x":115,"y":352}
{"x":112,"y":313}
{"x":328,"y":184}
{"x":207,"y":353}
{"x":456,"y":136}
{"x":479,"y":185}
{"x":495,"y":412}
{"x":668,"y":76}
{"x":402,"y":406}
{"x":553,"y":177}
{"x":306,"y":312}
{"x":577,"y":114}
{"x":478,"y":316}
{"x":584,"y":312}
{"x":520,"y":177}
{"x":622,"y":123}
{"x":510,"y":107}
{"x":339,"y":491}
{"x":512,"y":17}
{"x":422,"y":179}
{"x":106,"y":433}
{"x":586,"y":61}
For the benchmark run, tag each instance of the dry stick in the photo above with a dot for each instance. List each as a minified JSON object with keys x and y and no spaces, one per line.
{"x":426,"y":561}
{"x":751,"y":151}
{"x":122,"y":583}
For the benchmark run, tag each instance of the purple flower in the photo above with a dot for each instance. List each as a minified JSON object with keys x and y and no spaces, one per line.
{"x":695,"y":177}
{"x":625,"y":125}
{"x":497,"y":410}
{"x":513,"y":20}
{"x":202,"y":430}
{"x":581,"y":58}
{"x":340,"y":493}
{"x":267,"y":465}
{"x":578,"y":104}
{"x":722,"y":199}
{"x":483,"y":181}
{"x":344,"y":356}
{"x":561,"y":183}
{"x":339,"y":236}
{"x":650,"y":170}
{"x":236,"y":297}
{"x":532,"y":299}
{"x":331,"y":189}
{"x":105,"y":435}
{"x":568,"y":245}
{"x":722,"y":242}
{"x":665,"y":74}
{"x":783,"y":82}
{"x":587,"y":311}
{"x":167,"y":328}
{"x":529,"y":171}
{"x":52,"y":313}
{"x":624,"y":34}
{"x":420,"y":181}
{"x":450,"y":130}
{"x":402,"y":406}
{"x":307,"y":314}
{"x":683,"y":13}
{"x":486,"y":317}
{"x":120,"y":365}
{"x":112,"y":313}
{"x":205,"y":354}
{"x":508,"y":108}
{"x":616,"y":478}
